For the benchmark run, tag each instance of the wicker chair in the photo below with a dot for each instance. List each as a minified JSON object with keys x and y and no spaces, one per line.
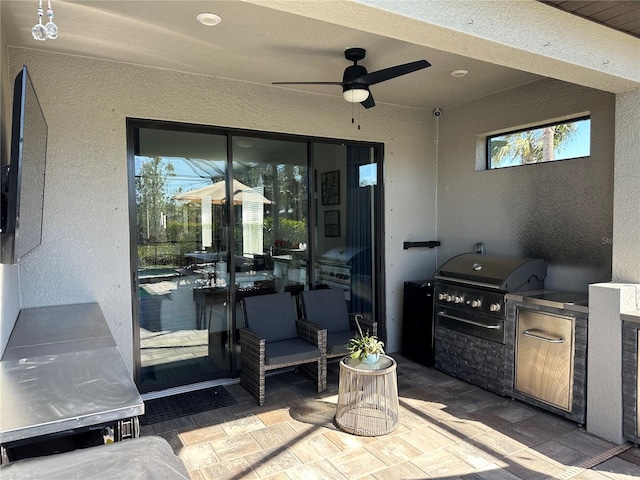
{"x":328,"y":308}
{"x":274,"y":338}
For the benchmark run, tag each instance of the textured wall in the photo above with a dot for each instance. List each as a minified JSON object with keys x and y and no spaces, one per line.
{"x":604,"y":358}
{"x":560,"y":211}
{"x":626,"y":229}
{"x":85,"y":252}
{"x":9,"y":274}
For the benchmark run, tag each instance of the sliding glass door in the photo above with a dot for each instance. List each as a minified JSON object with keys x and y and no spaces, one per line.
{"x":217,"y":216}
{"x":179,"y":191}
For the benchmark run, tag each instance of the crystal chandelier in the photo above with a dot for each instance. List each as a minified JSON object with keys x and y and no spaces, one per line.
{"x":50,"y":30}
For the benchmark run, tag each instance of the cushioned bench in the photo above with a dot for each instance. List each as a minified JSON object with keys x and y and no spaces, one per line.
{"x":141,"y":458}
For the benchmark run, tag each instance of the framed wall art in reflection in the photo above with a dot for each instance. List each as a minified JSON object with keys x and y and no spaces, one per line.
{"x":332,"y":223}
{"x":330,"y":188}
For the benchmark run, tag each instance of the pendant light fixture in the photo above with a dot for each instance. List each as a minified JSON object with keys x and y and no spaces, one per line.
{"x":41,"y":32}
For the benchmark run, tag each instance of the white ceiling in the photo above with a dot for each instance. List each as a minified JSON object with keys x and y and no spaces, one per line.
{"x":252,"y":44}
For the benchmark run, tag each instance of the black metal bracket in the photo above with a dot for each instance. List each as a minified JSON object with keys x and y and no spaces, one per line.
{"x":429,"y":244}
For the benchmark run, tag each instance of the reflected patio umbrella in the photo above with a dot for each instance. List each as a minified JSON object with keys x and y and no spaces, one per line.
{"x":217,"y":193}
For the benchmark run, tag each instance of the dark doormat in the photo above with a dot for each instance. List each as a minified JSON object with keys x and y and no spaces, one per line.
{"x":175,"y":406}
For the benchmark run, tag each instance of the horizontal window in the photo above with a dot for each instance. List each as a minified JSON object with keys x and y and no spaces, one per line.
{"x":544,"y":143}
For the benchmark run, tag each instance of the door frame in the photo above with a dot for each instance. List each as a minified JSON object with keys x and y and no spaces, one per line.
{"x":379,"y":287}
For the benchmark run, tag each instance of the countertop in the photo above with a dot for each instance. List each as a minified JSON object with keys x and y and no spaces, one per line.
{"x":62,"y":370}
{"x":571,"y":301}
{"x":631,"y":316}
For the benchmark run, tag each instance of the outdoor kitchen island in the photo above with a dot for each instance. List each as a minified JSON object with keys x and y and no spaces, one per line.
{"x":61,"y":374}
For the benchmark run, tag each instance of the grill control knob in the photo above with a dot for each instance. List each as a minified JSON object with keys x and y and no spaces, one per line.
{"x":494,"y":307}
{"x":442,"y":296}
{"x":449,"y":298}
{"x":476,"y":303}
{"x":458,"y":299}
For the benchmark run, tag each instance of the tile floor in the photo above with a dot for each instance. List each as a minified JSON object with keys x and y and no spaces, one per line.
{"x":448,"y":430}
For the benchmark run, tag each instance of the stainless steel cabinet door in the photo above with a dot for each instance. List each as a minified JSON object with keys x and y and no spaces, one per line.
{"x":544,"y":357}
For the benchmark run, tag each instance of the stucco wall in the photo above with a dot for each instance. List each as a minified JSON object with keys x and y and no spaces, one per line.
{"x":9,"y":274}
{"x":85,"y":252}
{"x":626,"y":232}
{"x":560,"y":211}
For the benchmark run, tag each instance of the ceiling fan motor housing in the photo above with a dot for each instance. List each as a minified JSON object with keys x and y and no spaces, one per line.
{"x":351,"y":76}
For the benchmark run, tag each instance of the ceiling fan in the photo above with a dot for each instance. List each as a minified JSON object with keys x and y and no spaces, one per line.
{"x":356,"y":81}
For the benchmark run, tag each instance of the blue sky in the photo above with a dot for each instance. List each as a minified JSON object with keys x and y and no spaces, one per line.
{"x":580,"y":146}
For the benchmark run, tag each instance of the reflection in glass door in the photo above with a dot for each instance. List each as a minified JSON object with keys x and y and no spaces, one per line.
{"x":270,"y":216}
{"x":181,"y":245}
{"x":218,"y":217}
{"x":345,"y":239}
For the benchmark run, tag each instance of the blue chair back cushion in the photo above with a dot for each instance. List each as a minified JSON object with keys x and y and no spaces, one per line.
{"x":326,"y":307}
{"x":271,"y":316}
{"x":293,"y":351}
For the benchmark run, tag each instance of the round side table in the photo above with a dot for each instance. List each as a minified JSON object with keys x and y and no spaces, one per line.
{"x":368,"y":396}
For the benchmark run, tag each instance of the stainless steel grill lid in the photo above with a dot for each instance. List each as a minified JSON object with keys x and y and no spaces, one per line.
{"x":499,"y":272}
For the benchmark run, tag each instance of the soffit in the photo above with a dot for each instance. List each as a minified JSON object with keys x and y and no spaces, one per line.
{"x":619,"y":15}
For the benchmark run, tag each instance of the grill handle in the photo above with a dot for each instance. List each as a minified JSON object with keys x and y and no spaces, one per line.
{"x":540,"y":335}
{"x":470,"y":322}
{"x":472,"y":283}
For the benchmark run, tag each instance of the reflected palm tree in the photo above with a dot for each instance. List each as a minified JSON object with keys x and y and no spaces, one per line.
{"x":531,"y":146}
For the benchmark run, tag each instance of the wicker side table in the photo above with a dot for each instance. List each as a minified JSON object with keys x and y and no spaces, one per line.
{"x":368,"y":397}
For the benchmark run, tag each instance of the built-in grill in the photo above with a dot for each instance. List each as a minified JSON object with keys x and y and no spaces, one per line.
{"x":338,"y":267}
{"x":470,"y":313}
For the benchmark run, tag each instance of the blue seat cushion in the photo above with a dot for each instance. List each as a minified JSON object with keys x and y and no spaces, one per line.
{"x":326,"y":307}
{"x":290,"y":351}
{"x":271,"y":316}
{"x":337,"y":342}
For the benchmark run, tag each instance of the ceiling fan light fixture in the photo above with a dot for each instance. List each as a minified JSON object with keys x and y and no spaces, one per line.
{"x":355,"y":95}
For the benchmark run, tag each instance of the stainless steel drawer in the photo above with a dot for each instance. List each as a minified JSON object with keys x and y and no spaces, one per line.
{"x":544,"y":357}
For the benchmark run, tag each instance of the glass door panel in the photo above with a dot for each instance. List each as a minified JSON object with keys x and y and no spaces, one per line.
{"x":270,"y":215}
{"x":346,"y":184}
{"x":181,"y":254}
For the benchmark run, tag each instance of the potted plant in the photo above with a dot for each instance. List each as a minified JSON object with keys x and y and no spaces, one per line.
{"x":364,"y":347}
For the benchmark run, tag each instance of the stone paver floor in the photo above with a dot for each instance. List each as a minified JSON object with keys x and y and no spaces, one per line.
{"x":448,"y":430}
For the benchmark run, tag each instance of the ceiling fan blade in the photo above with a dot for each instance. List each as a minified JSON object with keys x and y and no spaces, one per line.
{"x":369,"y":102}
{"x":392,"y":72}
{"x":306,"y":83}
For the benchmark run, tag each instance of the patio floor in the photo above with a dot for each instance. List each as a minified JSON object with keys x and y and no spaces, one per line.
{"x":448,"y":430}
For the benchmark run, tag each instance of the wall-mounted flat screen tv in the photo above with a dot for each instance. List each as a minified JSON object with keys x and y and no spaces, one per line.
{"x":23,"y":178}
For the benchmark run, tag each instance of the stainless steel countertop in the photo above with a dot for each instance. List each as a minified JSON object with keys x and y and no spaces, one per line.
{"x":62,"y":370}
{"x":632,"y":316}
{"x":571,"y":301}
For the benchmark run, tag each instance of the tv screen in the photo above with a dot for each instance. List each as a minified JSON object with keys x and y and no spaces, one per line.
{"x":23,"y":178}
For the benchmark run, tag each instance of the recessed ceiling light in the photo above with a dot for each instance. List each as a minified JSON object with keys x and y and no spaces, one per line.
{"x":208,"y":19}
{"x":459,"y":73}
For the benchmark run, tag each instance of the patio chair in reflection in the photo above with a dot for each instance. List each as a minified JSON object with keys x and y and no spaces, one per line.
{"x":275,"y":338}
{"x":327,"y":308}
